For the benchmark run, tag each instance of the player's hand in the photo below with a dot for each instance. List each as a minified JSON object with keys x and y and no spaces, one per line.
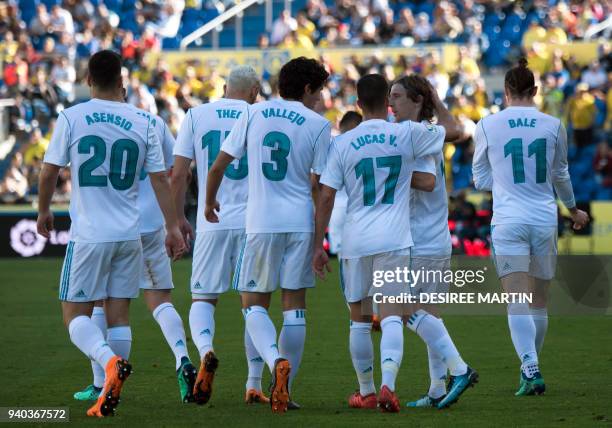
{"x":320,"y":262}
{"x":175,"y":243}
{"x":44,"y":223}
{"x":580,"y":218}
{"x":186,"y":231}
{"x":210,"y":212}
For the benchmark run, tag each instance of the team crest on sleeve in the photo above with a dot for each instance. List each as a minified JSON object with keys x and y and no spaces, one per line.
{"x":431,"y":128}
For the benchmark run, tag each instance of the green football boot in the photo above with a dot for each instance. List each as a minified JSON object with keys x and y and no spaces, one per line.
{"x":186,"y":375}
{"x":531,"y":386}
{"x":90,"y":393}
{"x":425,"y":401}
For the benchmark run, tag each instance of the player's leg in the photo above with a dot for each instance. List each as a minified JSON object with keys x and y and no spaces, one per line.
{"x":392,"y":340}
{"x":211,"y":271}
{"x":156,"y":283}
{"x":296,"y":276}
{"x":92,"y":391}
{"x":83,"y":281}
{"x":124,"y":276}
{"x":255,"y":285}
{"x":542,"y":271}
{"x":511,"y":244}
{"x":443,"y":355}
{"x":538,"y":308}
{"x":254,"y":392}
{"x":355,"y":280}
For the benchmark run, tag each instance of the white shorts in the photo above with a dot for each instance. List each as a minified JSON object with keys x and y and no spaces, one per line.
{"x":96,"y":271}
{"x":268,"y":260}
{"x":431,"y":276}
{"x":156,"y":273}
{"x":357,"y":275}
{"x":215,"y":255}
{"x":525,"y":248}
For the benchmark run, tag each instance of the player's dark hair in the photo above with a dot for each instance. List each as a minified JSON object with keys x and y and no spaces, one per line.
{"x":104,"y":68}
{"x":416,"y":86}
{"x":519,"y":80}
{"x":299,"y":72}
{"x":372,"y":91}
{"x":350,"y":118}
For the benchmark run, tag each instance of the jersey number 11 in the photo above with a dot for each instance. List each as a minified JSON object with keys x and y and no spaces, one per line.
{"x":514,"y":148}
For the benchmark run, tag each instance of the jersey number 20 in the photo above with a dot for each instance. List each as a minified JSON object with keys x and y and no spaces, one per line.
{"x":120,"y":149}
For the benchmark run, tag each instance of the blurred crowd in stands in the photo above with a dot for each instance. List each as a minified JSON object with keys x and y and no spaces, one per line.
{"x":45,"y":45}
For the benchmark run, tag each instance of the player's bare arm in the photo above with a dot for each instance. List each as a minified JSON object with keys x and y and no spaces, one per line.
{"x":46,"y":186}
{"x":325,"y":205}
{"x":454,"y":131}
{"x":315,"y":187}
{"x":175,"y":243}
{"x":423,"y":181}
{"x":215,"y":176}
{"x":181,"y":176}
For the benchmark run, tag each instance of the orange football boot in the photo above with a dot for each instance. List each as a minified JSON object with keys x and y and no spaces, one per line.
{"x":376,"y":323}
{"x":255,"y":396}
{"x":279,"y":390}
{"x":358,"y":401}
{"x":117,"y":371}
{"x":202,"y":390}
{"x":387,"y":401}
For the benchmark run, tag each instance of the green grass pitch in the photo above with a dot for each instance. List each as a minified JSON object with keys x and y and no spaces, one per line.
{"x":40,"y":367}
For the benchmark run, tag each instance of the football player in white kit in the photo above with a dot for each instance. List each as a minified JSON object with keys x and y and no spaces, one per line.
{"x":413,"y":98}
{"x":156,"y":281}
{"x":375,"y":163}
{"x":350,"y":120}
{"x":107,"y":145}
{"x":521,"y":154}
{"x":217,"y":245}
{"x":286,"y":142}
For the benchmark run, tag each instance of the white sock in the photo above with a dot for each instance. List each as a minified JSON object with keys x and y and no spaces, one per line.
{"x":202,"y":324}
{"x":255,"y":362}
{"x":391,"y":349}
{"x":172,"y":327}
{"x":89,"y":339}
{"x":433,"y":332}
{"x":262,"y":332}
{"x":99,"y":318}
{"x":437,"y":374}
{"x":362,"y":354}
{"x":292,"y":338}
{"x":120,"y":340}
{"x":523,"y":333}
{"x":540,"y":319}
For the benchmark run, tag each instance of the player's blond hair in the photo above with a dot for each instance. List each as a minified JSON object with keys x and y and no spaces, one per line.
{"x":242,"y":78}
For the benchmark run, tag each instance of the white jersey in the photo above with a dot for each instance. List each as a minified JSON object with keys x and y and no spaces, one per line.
{"x":429,"y":211}
{"x":199,"y":138}
{"x":107,"y":144}
{"x":375,"y":162}
{"x":284,"y":142}
{"x":151,"y":217}
{"x":520,"y":154}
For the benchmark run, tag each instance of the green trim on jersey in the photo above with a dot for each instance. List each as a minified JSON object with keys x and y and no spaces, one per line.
{"x":65,"y":283}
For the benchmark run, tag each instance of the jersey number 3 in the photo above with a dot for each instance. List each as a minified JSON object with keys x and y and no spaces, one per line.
{"x":120,"y":149}
{"x":514,"y":149}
